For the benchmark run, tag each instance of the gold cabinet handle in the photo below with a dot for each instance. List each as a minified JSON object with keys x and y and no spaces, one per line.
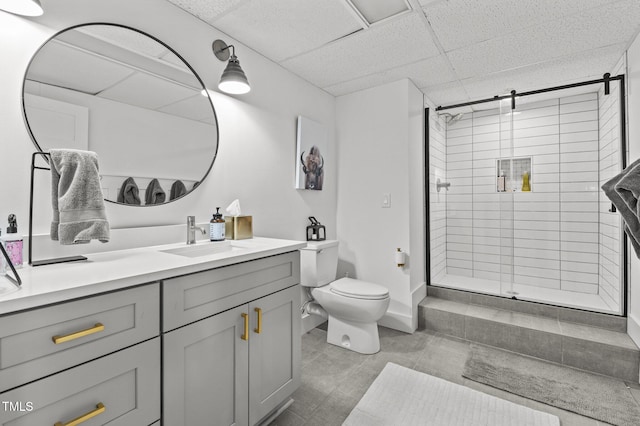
{"x":100,"y":408}
{"x":245,"y":336}
{"x":61,"y":339}
{"x":258,"y":328}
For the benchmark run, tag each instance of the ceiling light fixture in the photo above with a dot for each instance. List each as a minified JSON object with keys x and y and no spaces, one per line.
{"x":22,"y":7}
{"x":233,"y":79}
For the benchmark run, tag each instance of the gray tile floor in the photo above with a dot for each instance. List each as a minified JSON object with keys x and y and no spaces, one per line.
{"x":334,"y":379}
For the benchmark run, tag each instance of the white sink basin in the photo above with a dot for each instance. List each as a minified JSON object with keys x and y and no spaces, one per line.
{"x":201,"y":249}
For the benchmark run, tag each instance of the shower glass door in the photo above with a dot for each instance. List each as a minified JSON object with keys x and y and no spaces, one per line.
{"x":515,"y":206}
{"x":506,"y":185}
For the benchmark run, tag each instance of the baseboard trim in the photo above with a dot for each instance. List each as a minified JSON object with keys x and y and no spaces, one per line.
{"x":397,"y":321}
{"x":309,"y":322}
{"x":633,"y":329}
{"x":407,"y":323}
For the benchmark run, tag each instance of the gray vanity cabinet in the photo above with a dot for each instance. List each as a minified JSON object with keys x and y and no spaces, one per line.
{"x":205,"y":372}
{"x":93,"y":360}
{"x":121,"y":389}
{"x":274,"y":353}
{"x":236,"y":366}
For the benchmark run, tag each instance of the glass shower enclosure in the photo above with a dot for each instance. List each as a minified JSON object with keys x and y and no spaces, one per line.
{"x":515,"y":205}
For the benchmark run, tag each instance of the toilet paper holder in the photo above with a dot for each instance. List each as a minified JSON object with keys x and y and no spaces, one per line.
{"x":401,"y":258}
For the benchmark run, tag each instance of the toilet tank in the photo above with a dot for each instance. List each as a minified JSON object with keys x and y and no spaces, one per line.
{"x":318,"y":263}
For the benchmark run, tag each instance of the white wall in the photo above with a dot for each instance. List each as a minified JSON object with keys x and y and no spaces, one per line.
{"x":633,"y":146}
{"x":380,"y":150}
{"x":256,"y":157}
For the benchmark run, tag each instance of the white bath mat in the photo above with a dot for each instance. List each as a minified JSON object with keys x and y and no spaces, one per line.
{"x":400,"y":396}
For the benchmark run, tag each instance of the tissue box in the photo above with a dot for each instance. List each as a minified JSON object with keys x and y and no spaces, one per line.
{"x":238,"y":227}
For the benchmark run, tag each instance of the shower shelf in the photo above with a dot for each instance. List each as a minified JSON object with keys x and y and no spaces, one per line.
{"x":514,"y":166}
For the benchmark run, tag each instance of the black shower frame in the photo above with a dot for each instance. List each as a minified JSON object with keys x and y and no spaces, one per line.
{"x":606,"y":80}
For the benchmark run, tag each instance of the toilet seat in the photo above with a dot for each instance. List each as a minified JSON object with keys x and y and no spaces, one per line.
{"x":357,"y":289}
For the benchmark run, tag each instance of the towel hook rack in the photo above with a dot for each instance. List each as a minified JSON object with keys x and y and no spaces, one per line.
{"x":51,"y":261}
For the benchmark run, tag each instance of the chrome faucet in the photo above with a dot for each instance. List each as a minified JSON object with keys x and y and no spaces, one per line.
{"x":191,"y":230}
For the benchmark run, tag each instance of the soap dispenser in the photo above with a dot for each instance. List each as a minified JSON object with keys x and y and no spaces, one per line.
{"x":12,"y":243}
{"x":501,"y":182}
{"x":217,"y":226}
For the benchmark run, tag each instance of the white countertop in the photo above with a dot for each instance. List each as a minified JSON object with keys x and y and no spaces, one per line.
{"x":43,"y":285}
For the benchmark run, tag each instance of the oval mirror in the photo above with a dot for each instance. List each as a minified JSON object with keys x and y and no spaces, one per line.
{"x":131,"y":99}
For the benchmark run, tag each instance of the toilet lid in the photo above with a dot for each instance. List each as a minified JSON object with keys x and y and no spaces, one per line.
{"x":357,"y":289}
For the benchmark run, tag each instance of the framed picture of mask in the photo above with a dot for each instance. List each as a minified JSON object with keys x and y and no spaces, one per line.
{"x":310,"y":154}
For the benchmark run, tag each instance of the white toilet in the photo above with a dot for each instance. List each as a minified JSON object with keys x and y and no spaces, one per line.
{"x":353,"y":306}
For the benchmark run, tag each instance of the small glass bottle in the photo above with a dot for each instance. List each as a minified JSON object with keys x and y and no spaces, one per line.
{"x":12,"y":243}
{"x":217,"y":226}
{"x":526,"y":186}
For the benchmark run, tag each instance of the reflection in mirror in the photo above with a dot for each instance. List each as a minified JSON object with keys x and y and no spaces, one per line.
{"x":132,"y":100}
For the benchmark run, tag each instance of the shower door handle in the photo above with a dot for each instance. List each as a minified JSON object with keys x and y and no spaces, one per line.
{"x":613,"y":208}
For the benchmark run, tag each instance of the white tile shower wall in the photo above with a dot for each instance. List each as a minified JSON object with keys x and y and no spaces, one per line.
{"x":545,"y":237}
{"x":578,"y":189}
{"x":459,"y":221}
{"x":610,"y":164}
{"x":438,"y":200}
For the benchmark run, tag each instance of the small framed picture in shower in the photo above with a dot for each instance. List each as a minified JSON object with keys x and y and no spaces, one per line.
{"x":310,"y":154}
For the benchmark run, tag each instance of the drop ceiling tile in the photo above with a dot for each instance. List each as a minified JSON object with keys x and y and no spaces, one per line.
{"x":594,"y":28}
{"x":489,"y":19}
{"x":207,"y":10}
{"x":446,"y":94}
{"x":401,"y":41}
{"x":578,"y":67}
{"x":281,"y":29}
{"x":125,"y":38}
{"x":427,"y":72}
{"x":61,"y":65}
{"x":146,"y":91}
{"x":196,"y":108}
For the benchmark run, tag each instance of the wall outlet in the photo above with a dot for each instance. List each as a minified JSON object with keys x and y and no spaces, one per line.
{"x":386,"y":200}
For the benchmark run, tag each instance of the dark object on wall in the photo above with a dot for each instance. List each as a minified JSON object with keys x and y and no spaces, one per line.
{"x":178,"y":189}
{"x":313,"y":168}
{"x":154,"y":193}
{"x":129,"y":193}
{"x":316,"y":231}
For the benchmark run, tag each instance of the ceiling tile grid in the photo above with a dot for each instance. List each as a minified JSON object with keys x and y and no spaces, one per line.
{"x":292,"y":26}
{"x":442,"y":94}
{"x":423,"y":73}
{"x":591,"y":29}
{"x":129,"y":40}
{"x":207,"y":10}
{"x":145,"y":91}
{"x":578,"y":67}
{"x":480,"y":46}
{"x":400,"y":41}
{"x":489,"y":19}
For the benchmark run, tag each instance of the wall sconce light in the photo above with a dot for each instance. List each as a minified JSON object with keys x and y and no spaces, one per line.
{"x":22,"y":7}
{"x":233,"y":79}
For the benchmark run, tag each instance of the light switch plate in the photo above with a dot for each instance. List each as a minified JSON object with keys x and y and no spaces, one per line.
{"x":386,"y":200}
